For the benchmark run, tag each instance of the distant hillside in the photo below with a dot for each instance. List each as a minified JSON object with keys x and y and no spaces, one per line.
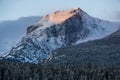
{"x":12,"y":31}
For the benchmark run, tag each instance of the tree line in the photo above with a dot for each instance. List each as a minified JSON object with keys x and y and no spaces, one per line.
{"x":11,"y":70}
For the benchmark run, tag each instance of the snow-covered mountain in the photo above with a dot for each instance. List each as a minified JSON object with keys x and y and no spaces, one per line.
{"x":12,"y":31}
{"x":59,"y":29}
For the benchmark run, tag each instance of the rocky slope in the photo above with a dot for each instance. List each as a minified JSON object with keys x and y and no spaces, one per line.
{"x":57,"y":30}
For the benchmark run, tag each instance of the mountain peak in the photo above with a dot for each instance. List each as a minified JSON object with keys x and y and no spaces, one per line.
{"x":61,"y":16}
{"x":57,"y":30}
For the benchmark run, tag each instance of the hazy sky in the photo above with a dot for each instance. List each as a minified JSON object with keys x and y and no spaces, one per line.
{"x":104,"y":9}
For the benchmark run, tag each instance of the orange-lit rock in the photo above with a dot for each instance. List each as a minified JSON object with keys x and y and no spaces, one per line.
{"x":61,"y":16}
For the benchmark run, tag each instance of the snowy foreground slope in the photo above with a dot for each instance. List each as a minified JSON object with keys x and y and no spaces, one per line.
{"x":13,"y":30}
{"x":57,"y":30}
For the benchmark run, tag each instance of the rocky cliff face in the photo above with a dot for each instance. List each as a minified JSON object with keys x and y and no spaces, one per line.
{"x":59,"y":29}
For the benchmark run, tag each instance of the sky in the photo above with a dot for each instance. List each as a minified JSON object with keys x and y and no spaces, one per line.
{"x":14,"y":9}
